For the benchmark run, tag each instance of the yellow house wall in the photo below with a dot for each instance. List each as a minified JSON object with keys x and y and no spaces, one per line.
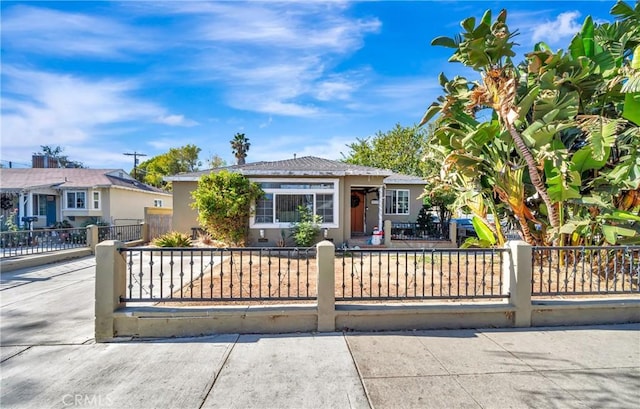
{"x":128,"y":205}
{"x":106,"y":204}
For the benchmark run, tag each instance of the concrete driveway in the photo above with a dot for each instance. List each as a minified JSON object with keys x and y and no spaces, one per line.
{"x":49,"y":359}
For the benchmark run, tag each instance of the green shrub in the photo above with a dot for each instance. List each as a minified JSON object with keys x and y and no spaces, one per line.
{"x":223,"y":201}
{"x":305,"y":231}
{"x":10,"y":223}
{"x":172,"y":239}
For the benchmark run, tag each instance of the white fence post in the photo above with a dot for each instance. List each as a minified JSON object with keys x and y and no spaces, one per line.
{"x":516,"y":277}
{"x":111,"y":270}
{"x":325,"y":259}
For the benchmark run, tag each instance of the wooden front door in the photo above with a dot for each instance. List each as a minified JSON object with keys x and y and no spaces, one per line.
{"x":357,"y":212}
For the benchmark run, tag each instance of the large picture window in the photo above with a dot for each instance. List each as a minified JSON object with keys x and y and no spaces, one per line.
{"x":281,"y":201}
{"x":76,"y":200}
{"x":396,"y":201}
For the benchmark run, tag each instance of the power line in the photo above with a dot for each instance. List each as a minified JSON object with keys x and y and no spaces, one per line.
{"x":13,"y":164}
{"x":135,"y":161}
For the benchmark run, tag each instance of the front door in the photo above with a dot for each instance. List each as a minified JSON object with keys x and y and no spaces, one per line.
{"x":51,"y":210}
{"x":357,"y":212}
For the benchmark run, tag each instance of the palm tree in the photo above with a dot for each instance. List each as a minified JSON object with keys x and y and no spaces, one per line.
{"x":240,"y":146}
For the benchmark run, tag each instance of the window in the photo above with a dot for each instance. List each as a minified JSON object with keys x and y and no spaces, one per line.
{"x":264,"y":209}
{"x":96,"y":201}
{"x":396,"y":202}
{"x":287,"y":207}
{"x":157,"y":202}
{"x":39,"y":205}
{"x":76,"y":200}
{"x":324,"y":207}
{"x":282,"y":199}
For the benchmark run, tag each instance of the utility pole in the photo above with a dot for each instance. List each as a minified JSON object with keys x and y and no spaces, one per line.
{"x":135,"y":161}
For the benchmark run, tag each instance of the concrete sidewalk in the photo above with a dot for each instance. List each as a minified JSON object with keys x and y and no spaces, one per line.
{"x":49,"y":359}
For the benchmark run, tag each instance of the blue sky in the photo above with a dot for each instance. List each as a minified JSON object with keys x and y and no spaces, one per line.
{"x":307,"y":78}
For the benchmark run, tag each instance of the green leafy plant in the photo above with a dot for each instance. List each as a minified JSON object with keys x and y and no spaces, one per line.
{"x":96,"y":221}
{"x":305,"y":231}
{"x":223,"y":201}
{"x":172,"y":239}
{"x":10,"y":223}
{"x":551,"y":143}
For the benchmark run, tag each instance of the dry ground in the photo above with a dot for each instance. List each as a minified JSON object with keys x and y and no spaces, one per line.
{"x":376,"y":275}
{"x":384,"y":275}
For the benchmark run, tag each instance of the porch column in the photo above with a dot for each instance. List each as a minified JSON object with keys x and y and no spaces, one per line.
{"x":21,"y":209}
{"x":380,"y":206}
{"x":29,"y":205}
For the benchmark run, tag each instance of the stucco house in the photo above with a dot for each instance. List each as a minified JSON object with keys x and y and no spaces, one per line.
{"x":77,"y":195}
{"x":352,"y":200}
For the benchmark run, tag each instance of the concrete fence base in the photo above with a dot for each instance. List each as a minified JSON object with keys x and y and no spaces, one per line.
{"x":115,"y":319}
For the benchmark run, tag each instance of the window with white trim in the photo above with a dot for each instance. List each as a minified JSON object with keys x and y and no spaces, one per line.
{"x":396,"y":201}
{"x":39,"y":205}
{"x":282,"y":199}
{"x":96,"y":200}
{"x":76,"y":199}
{"x":157,"y":202}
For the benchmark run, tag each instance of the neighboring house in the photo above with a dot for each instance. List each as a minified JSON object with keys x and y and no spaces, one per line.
{"x":352,"y":200}
{"x":77,"y":195}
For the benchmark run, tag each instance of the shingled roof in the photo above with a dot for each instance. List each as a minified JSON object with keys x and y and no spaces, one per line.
{"x":303,"y":166}
{"x":15,"y":180}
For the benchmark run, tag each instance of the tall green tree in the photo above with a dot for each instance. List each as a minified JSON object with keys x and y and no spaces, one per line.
{"x":176,"y":160}
{"x":405,"y":150}
{"x":400,"y":150}
{"x":239,"y":147}
{"x":560,"y":152}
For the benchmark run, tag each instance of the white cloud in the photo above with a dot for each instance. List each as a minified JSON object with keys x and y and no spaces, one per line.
{"x":43,"y":108}
{"x":274,"y":58}
{"x":176,"y":120}
{"x":40,"y":106}
{"x":334,"y":89}
{"x":278,"y":58}
{"x":332,"y":148}
{"x":267,"y":123}
{"x":553,"y":32}
{"x":52,"y":32}
{"x":278,"y":108}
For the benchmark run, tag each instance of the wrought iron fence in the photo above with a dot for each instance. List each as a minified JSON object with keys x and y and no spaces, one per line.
{"x":131,"y":232}
{"x":25,"y":242}
{"x":585,"y":270}
{"x":416,"y":231}
{"x":219,"y":274}
{"x":396,"y":274}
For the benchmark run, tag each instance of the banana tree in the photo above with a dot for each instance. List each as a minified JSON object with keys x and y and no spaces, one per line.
{"x":566,"y":113}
